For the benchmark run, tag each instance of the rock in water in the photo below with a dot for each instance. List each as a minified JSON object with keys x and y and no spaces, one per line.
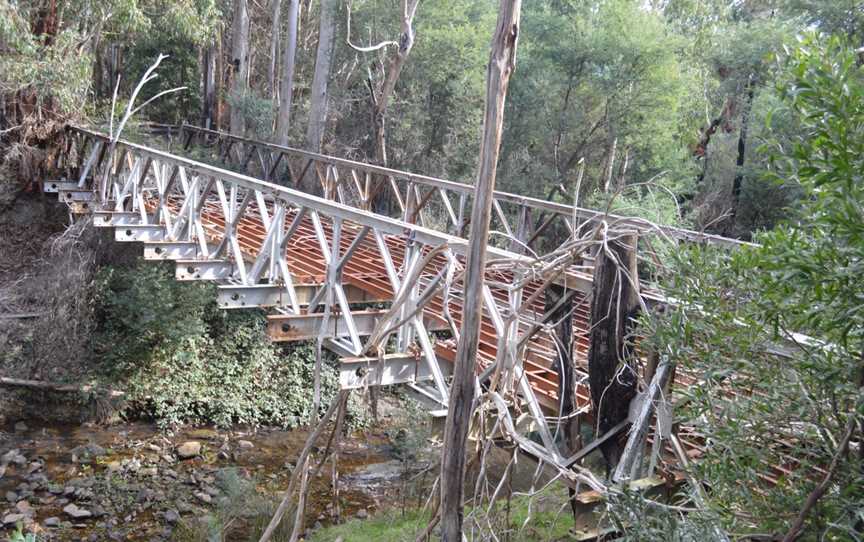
{"x":189,"y":449}
{"x":76,"y":513}
{"x":52,"y":522}
{"x":24,"y":507}
{"x":86,"y":453}
{"x":12,"y":519}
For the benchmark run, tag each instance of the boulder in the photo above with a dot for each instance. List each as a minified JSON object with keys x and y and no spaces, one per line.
{"x":76,"y":513}
{"x":189,"y":449}
{"x":12,"y":519}
{"x":87,"y":453}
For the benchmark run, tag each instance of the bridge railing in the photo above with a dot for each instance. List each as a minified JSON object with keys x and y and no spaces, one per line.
{"x":527,"y":224}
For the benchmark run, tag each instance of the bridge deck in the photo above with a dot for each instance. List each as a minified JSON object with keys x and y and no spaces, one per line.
{"x":366,"y":271}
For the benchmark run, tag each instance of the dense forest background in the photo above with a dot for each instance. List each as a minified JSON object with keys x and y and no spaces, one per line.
{"x":657,"y":97}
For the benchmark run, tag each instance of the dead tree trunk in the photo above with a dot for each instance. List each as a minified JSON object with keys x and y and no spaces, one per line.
{"x":614,"y":302}
{"x":742,"y":152}
{"x":382,"y":100}
{"x":220,"y":80}
{"x":558,"y":309}
{"x":380,"y":97}
{"x":275,"y":38}
{"x":286,"y":92}
{"x":502,"y":61}
{"x":240,"y":61}
{"x":610,"y":165}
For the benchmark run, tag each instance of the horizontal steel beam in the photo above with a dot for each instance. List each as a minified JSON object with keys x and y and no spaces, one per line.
{"x":170,"y":250}
{"x":187,"y":270}
{"x":52,"y":187}
{"x":305,"y":327}
{"x":140,"y":232}
{"x":390,"y":369}
{"x":108,"y":219}
{"x":232,"y":296}
{"x":75,"y":195}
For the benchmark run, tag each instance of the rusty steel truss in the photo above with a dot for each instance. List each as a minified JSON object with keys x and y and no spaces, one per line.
{"x":382,"y":292}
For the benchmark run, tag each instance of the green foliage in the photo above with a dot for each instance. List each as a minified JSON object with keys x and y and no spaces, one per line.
{"x":791,"y":409}
{"x":258,"y":113}
{"x":188,"y":361}
{"x":20,"y":536}
{"x":179,"y":30}
{"x":56,"y":75}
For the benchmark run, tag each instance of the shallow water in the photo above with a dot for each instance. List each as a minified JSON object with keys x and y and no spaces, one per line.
{"x":370,"y":477}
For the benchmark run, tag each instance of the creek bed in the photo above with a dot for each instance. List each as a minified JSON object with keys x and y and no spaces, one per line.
{"x":133,"y":485}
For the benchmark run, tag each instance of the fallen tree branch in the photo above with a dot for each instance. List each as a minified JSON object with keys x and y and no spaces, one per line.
{"x":301,"y":461}
{"x":61,"y":388}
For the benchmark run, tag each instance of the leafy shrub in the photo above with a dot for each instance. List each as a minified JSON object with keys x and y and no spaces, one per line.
{"x":185,"y":360}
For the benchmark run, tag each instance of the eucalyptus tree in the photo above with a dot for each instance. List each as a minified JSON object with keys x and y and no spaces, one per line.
{"x":320,"y":96}
{"x":603,"y":82}
{"x":240,"y":64}
{"x":286,"y":83}
{"x":784,"y":321}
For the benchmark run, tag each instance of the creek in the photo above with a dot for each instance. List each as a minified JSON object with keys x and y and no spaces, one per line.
{"x":129,"y":481}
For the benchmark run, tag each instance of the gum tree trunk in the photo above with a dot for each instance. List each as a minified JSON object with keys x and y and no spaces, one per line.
{"x":240,"y":63}
{"x":502,"y":61}
{"x":286,"y":86}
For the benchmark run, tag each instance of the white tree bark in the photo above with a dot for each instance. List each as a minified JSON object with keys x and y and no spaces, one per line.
{"x":286,"y":91}
{"x":275,"y":38}
{"x":240,"y":62}
{"x":320,"y":96}
{"x":208,"y":80}
{"x":382,"y":101}
{"x":502,"y":61}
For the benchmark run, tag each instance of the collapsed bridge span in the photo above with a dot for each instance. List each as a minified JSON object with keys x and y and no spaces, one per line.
{"x":382,"y":292}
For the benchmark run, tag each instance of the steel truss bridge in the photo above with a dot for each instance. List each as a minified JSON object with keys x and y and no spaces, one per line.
{"x":324,"y":266}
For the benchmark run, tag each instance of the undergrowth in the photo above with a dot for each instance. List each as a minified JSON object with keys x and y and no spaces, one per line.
{"x":183,"y":360}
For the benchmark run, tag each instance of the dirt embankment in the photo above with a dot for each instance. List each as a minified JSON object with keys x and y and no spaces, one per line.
{"x":46,"y":268}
